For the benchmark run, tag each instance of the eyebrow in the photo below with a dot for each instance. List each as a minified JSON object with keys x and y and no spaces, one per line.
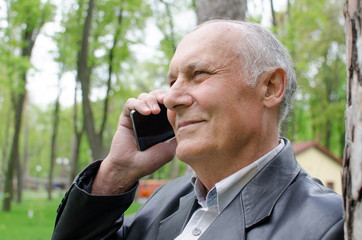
{"x":170,"y":77}
{"x":194,"y":64}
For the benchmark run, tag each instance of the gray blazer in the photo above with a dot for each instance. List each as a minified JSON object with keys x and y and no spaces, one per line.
{"x":281,"y":202}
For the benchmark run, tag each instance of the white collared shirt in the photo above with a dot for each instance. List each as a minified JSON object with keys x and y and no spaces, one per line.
{"x":220,"y":196}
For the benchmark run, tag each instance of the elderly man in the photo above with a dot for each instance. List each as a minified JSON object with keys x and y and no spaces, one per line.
{"x":231,"y":84}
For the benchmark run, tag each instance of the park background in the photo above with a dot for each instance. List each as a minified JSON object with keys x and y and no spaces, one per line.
{"x":62,"y":91}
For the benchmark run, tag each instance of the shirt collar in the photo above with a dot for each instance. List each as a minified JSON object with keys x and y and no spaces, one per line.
{"x":225,"y":191}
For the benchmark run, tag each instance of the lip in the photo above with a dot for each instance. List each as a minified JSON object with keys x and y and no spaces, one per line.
{"x":187,"y":123}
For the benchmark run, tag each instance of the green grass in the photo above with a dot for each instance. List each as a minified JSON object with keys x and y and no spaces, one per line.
{"x":132,"y":209}
{"x":19,"y":225}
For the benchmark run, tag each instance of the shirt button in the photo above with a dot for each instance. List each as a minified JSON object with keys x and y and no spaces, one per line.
{"x":196,"y":231}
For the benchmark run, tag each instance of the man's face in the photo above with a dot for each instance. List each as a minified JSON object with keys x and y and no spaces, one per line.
{"x":213,"y":113}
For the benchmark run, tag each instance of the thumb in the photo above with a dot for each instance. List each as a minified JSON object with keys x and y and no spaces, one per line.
{"x":164,"y":151}
{"x":158,"y":156}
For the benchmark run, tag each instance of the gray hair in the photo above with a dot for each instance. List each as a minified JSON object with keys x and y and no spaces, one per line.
{"x":261,"y":51}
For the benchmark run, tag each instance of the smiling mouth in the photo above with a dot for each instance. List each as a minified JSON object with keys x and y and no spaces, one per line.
{"x":187,"y":123}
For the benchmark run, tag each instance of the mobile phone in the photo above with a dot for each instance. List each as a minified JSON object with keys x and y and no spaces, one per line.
{"x":151,"y":129}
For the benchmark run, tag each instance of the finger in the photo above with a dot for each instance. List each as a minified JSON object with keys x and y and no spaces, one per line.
{"x":159,"y":94}
{"x":135,"y":104}
{"x":145,"y":104}
{"x":151,"y":101}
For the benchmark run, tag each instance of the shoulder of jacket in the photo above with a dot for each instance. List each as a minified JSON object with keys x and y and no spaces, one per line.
{"x":310,"y":193}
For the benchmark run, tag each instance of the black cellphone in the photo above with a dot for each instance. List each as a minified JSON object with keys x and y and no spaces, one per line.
{"x":151,"y":129}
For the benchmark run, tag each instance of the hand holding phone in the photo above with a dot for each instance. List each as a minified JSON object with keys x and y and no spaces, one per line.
{"x":151,"y":129}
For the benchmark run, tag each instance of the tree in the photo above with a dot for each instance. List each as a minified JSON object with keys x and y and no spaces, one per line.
{"x":67,"y":51}
{"x":209,"y":9}
{"x":101,"y":49}
{"x":83,"y":76}
{"x":316,"y":44}
{"x":25,"y":20}
{"x":53,"y":147}
{"x":5,"y":134}
{"x":352,"y":164}
{"x":77,"y":137}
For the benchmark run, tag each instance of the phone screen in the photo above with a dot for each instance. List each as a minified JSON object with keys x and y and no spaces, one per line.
{"x":151,"y":129}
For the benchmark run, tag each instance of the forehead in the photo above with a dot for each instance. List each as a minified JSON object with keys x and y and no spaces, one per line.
{"x":211,"y":42}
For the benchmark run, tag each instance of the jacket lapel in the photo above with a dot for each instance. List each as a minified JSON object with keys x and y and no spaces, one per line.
{"x":171,"y":226}
{"x":257,"y":199}
{"x":229,"y":224}
{"x":261,"y":194}
{"x":253,"y":205}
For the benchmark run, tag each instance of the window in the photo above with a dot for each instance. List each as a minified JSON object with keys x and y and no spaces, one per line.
{"x":330,"y":185}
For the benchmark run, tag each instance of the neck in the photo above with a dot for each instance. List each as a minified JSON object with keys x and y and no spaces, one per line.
{"x":212,"y":169}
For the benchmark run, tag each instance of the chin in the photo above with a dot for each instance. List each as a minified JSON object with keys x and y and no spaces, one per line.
{"x":190,"y":152}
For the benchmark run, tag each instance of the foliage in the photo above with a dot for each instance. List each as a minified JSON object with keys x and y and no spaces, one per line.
{"x":316,"y":43}
{"x":24,"y":21}
{"x":114,"y":28}
{"x":170,"y":18}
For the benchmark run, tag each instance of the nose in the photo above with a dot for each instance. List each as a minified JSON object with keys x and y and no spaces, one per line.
{"x":178,"y":96}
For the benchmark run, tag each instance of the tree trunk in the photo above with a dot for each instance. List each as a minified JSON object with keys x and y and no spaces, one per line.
{"x":352,"y":164}
{"x":24,"y":168}
{"x":78,"y":132}
{"x":19,"y":178}
{"x":274,"y":22}
{"x":95,"y":139}
{"x":111,"y":62}
{"x":210,"y":9}
{"x":29,"y":32}
{"x":28,"y":37}
{"x":171,"y":35}
{"x":14,"y":153}
{"x":75,"y":156}
{"x":53,"y":149}
{"x":5,"y":145}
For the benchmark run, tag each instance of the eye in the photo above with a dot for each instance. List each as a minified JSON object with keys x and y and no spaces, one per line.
{"x":199,"y":72}
{"x":171,"y":83}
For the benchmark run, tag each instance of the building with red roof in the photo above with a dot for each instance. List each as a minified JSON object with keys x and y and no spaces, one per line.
{"x":320,"y":163}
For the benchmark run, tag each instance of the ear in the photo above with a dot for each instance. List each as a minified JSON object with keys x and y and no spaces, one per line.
{"x":275,"y":84}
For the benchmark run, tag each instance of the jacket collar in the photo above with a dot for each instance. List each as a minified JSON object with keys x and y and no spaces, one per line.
{"x":256,"y":201}
{"x":261,"y":194}
{"x":257,"y":198}
{"x":171,"y":226}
